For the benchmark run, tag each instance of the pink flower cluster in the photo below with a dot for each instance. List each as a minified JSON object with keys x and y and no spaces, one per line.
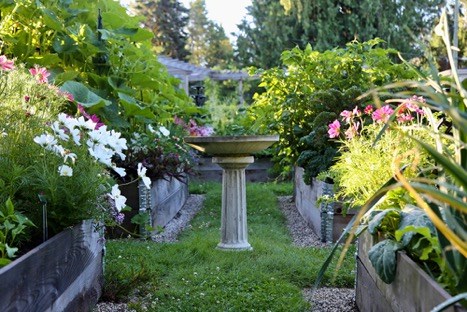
{"x":405,"y":112}
{"x":193,"y":128}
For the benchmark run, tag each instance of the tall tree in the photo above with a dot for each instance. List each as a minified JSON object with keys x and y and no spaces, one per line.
{"x":327,"y":24}
{"x":168,"y":20}
{"x":207,"y":42}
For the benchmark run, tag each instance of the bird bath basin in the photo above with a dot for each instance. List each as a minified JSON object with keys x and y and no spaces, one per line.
{"x":233,"y":154}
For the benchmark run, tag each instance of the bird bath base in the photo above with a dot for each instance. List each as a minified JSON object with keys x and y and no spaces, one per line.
{"x":234,"y":231}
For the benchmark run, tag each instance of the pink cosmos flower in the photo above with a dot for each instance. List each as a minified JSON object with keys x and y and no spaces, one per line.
{"x":381,"y":115}
{"x":6,"y":64}
{"x":347,"y":115}
{"x":334,"y":129}
{"x":356,"y":112}
{"x":352,"y":131}
{"x":40,"y":73}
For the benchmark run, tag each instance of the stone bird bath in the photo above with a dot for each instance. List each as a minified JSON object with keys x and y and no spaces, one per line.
{"x":233,"y":154}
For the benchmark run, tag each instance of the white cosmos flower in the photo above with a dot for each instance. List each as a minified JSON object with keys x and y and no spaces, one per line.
{"x":59,"y":131}
{"x":164,"y":131}
{"x":142,"y":174}
{"x":102,"y":154}
{"x":67,"y":121}
{"x":118,"y":198}
{"x":72,"y":156}
{"x":45,"y":140}
{"x":65,"y":171}
{"x":85,"y":124}
{"x":76,"y":134}
{"x":151,"y":129}
{"x":121,"y":171}
{"x":57,"y":149}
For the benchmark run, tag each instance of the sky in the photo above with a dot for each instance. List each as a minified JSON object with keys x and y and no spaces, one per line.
{"x":228,"y":13}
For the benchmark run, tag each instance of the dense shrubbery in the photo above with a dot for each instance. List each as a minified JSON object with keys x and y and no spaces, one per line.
{"x":310,"y":92}
{"x":107,"y":64}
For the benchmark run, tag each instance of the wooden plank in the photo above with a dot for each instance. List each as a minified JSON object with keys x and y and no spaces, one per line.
{"x":367,"y":296}
{"x":413,"y":290}
{"x":45,"y":278}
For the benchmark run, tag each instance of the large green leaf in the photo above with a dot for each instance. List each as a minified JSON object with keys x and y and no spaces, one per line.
{"x":387,"y":220}
{"x":132,"y":108}
{"x":383,"y":257}
{"x":83,"y":95}
{"x":417,"y":219}
{"x":47,"y":60}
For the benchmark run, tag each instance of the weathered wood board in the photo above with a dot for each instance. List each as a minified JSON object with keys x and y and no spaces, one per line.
{"x":63,"y":274}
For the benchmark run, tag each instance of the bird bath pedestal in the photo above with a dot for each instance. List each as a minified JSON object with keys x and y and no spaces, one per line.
{"x":233,"y":155}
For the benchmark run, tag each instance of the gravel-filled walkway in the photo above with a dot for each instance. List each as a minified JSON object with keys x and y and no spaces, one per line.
{"x":323,"y":300}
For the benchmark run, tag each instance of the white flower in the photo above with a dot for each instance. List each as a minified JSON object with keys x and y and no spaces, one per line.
{"x":72,"y":156}
{"x":151,"y":129}
{"x":57,"y":149}
{"x":118,"y":198}
{"x":102,"y":154}
{"x":65,"y":171}
{"x":85,"y":124}
{"x":142,"y":174}
{"x":59,"y":132}
{"x":121,"y":171}
{"x":46,"y":140}
{"x":67,"y":121}
{"x":76,"y":134}
{"x":164,"y":131}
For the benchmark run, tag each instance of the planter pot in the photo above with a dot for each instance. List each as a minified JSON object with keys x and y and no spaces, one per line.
{"x":326,"y":220}
{"x":63,"y":274}
{"x":163,"y":201}
{"x":259,"y":171}
{"x":412,"y":289}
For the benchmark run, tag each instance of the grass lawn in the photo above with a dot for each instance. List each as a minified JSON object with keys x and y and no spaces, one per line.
{"x":191,"y":275}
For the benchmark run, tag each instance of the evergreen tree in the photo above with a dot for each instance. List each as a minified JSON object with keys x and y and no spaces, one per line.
{"x":207,"y":42}
{"x":168,"y":20}
{"x":279,"y":25}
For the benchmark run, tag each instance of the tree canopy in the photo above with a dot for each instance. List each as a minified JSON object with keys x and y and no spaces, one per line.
{"x":277,"y":25}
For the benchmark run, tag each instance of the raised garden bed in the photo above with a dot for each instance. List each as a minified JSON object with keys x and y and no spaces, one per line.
{"x":326,"y":219}
{"x":412,"y":290}
{"x":164,"y":200}
{"x":62,"y":274}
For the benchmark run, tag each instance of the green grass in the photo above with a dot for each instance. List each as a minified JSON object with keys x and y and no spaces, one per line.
{"x":192,"y":275}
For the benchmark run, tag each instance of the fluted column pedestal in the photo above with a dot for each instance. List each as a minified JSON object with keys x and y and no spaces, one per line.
{"x":234,"y":231}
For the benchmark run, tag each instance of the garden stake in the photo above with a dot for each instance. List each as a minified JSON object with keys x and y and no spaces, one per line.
{"x":45,"y":230}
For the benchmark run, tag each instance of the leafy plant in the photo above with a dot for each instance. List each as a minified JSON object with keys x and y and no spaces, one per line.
{"x":436,"y":229}
{"x":303,"y":98}
{"x":97,"y":52}
{"x":13,"y":225}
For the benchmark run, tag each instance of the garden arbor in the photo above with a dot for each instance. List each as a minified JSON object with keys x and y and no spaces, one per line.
{"x":187,"y":73}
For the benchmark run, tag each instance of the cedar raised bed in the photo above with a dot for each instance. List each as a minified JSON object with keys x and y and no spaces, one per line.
{"x":413,"y":290}
{"x":65,"y":273}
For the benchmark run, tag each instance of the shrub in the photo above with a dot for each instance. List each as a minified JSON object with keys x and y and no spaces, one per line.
{"x":309,"y":93}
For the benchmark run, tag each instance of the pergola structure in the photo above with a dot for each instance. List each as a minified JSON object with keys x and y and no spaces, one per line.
{"x":187,"y":73}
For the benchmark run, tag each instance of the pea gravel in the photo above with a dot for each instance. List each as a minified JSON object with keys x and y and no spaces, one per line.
{"x":322,"y":300}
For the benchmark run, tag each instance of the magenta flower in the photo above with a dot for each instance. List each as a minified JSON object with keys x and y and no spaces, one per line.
{"x":381,"y":115}
{"x":6,"y":64}
{"x":40,"y":73}
{"x":334,"y":129}
{"x":368,"y":109}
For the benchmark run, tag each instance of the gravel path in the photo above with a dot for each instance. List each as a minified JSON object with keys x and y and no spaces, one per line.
{"x":323,"y":300}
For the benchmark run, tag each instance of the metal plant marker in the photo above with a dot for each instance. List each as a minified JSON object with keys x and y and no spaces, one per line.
{"x":233,"y":155}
